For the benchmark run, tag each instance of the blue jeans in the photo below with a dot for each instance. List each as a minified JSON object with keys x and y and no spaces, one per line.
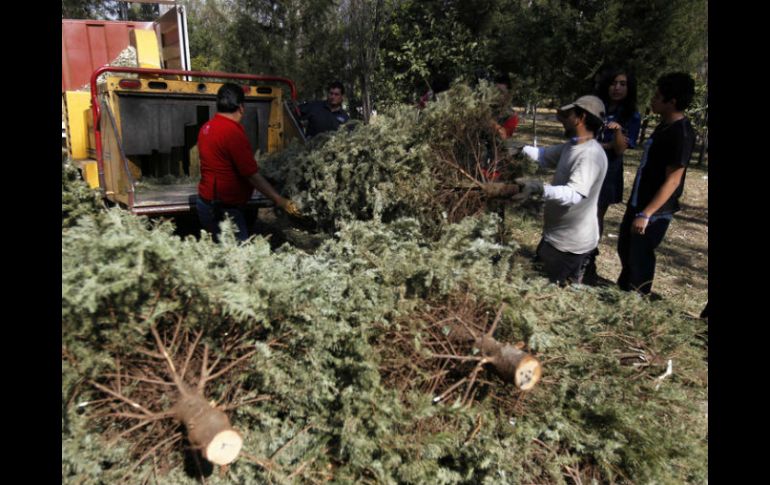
{"x":637,"y":252}
{"x":210,"y":214}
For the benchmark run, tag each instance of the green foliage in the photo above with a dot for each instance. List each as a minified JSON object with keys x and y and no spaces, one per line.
{"x":394,"y":167}
{"x":117,"y":268}
{"x":322,"y":322}
{"x":552,"y":49}
{"x":378,"y":171}
{"x":89,"y":9}
{"x":698,"y":110}
{"x":323,"y":381}
{"x":391,"y":51}
{"x":426,"y":40}
{"x":77,"y":199}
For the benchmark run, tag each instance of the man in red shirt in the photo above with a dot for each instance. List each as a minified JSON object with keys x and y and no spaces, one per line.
{"x":229,"y":172}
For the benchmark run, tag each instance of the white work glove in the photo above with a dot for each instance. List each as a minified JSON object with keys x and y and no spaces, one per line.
{"x":531,"y":152}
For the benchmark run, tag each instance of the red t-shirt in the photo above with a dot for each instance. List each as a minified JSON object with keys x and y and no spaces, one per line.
{"x":511,"y":123}
{"x":227,"y":162}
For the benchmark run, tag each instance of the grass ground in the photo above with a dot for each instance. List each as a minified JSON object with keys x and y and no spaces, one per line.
{"x":682,"y":258}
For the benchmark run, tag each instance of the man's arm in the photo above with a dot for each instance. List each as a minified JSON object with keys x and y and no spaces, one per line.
{"x":260,"y":183}
{"x":562,"y":194}
{"x":673,"y":179}
{"x":577,"y":188}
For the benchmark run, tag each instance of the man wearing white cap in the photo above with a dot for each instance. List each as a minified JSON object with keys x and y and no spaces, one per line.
{"x":570,"y":230}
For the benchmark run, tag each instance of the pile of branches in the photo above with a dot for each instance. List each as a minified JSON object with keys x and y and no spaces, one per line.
{"x":328,"y":365}
{"x":429,"y":164}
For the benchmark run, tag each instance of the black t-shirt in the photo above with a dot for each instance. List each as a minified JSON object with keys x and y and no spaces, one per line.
{"x":321,"y":118}
{"x":671,"y":146}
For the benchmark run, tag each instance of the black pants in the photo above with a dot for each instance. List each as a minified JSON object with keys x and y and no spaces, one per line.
{"x":591,"y":277}
{"x":561,"y":267}
{"x":637,"y":252}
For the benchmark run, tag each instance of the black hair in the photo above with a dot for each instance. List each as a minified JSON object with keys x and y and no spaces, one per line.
{"x":628,"y":105}
{"x":481,"y":74}
{"x":439,"y":83}
{"x":679,"y":86}
{"x":593,"y":124}
{"x":336,"y":85}
{"x":503,"y":78}
{"x":229,"y":98}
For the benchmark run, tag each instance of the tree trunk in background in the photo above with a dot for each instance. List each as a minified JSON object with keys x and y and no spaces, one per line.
{"x":366,"y":98}
{"x":643,"y":130}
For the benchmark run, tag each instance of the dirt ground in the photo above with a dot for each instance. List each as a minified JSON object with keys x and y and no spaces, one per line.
{"x":682,"y":258}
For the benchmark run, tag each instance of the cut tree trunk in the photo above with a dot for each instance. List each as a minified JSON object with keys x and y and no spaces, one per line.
{"x":208,"y":428}
{"x":496,"y":190}
{"x":511,"y":363}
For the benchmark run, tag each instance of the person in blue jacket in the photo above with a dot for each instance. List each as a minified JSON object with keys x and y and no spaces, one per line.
{"x":617,"y":89}
{"x":325,"y":115}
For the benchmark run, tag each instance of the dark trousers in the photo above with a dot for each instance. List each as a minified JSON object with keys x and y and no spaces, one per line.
{"x":211,"y":213}
{"x":591,"y":276}
{"x":637,"y":252}
{"x":561,"y":267}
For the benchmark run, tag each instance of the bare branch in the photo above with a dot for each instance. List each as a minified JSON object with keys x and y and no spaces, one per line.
{"x":122,"y":398}
{"x":190,"y":352}
{"x":169,"y":362}
{"x":497,"y":320}
{"x":177,"y":328}
{"x":451,"y":388}
{"x":204,"y":368}
{"x":168,"y":441}
{"x":231,"y":365}
{"x":143,"y":379}
{"x":475,"y":372}
{"x":457,"y":357}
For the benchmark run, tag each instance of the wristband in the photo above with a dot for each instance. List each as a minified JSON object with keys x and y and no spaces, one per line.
{"x":642,"y":215}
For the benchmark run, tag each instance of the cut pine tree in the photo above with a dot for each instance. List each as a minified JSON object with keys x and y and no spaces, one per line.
{"x":510,"y":362}
{"x":208,"y":428}
{"x":137,"y":388}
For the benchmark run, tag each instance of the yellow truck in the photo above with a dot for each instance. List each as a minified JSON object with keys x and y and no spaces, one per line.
{"x":134,"y":133}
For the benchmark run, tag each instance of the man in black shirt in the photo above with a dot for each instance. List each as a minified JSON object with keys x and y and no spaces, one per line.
{"x":659,"y":183}
{"x":325,"y":115}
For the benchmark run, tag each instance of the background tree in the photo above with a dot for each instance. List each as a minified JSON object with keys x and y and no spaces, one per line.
{"x":556,"y":47}
{"x":388,"y":51}
{"x":90,"y":9}
{"x":426,"y":41}
{"x":363,"y":20}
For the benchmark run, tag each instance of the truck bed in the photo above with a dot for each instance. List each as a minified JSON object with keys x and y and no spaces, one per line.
{"x":176,"y":198}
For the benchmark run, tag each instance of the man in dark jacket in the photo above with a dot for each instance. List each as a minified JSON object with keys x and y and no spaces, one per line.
{"x":326,"y":115}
